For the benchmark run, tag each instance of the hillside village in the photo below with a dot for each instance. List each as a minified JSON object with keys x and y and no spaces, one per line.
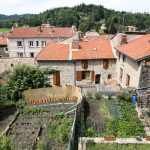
{"x":87,"y":71}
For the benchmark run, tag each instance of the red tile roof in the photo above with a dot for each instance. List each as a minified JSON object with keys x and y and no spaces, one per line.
{"x":3,"y":41}
{"x":54,"y":51}
{"x":43,"y":32}
{"x":98,"y":48}
{"x":136,"y":49}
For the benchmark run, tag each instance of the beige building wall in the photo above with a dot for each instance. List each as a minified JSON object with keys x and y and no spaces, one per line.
{"x":129,"y":67}
{"x":66,"y":69}
{"x":97,"y":67}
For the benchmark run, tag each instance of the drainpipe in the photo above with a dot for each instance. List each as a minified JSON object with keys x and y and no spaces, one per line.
{"x":75,"y":73}
{"x":24,"y":47}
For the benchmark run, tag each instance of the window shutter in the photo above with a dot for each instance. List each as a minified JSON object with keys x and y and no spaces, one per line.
{"x":105,"y":63}
{"x":84,"y":64}
{"x":92,"y":75}
{"x":56,"y":78}
{"x":79,"y":75}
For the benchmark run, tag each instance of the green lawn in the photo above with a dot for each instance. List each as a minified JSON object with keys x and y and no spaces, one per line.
{"x":5,"y":30}
{"x":103,"y":146}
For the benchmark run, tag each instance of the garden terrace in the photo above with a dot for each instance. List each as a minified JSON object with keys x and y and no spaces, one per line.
{"x":112,"y":118}
{"x":32,"y":122}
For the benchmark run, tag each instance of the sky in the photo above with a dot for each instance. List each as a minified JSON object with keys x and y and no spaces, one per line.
{"x":9,"y":7}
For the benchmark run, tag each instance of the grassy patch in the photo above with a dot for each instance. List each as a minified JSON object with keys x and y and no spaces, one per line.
{"x":103,"y":146}
{"x":5,"y":30}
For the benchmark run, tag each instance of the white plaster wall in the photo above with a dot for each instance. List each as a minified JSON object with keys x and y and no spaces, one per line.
{"x":130,"y":67}
{"x":26,"y":50}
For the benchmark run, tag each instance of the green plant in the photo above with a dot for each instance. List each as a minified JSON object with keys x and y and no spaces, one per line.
{"x":124,"y":96}
{"x":6,"y":143}
{"x":98,"y":96}
{"x":90,"y":133}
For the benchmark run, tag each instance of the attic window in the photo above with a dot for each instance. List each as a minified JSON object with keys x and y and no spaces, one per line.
{"x":94,"y":49}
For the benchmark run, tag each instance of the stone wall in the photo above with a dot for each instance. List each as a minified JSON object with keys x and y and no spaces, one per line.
{"x":145,"y":76}
{"x":8,"y":63}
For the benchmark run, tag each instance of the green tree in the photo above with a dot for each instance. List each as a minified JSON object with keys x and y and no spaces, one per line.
{"x":25,"y":77}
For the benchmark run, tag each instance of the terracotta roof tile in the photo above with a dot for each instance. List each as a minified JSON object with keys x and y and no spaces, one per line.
{"x":3,"y":41}
{"x":43,"y":32}
{"x":137,"y":48}
{"x":54,"y":51}
{"x":98,"y":48}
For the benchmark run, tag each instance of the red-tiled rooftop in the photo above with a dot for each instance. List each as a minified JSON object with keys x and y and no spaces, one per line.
{"x":136,"y":49}
{"x":99,"y":48}
{"x":42,"y":32}
{"x":54,"y":51}
{"x":3,"y":41}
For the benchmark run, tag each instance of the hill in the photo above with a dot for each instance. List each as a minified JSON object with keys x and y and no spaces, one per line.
{"x":89,"y":17}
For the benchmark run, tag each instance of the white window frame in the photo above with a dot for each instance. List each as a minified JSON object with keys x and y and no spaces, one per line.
{"x":37,"y":45}
{"x":43,"y":43}
{"x":31,"y":43}
{"x":20,"y":55}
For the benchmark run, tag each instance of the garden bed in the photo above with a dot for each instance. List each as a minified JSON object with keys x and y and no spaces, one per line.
{"x":32,"y":123}
{"x":113,"y":118}
{"x":104,"y":146}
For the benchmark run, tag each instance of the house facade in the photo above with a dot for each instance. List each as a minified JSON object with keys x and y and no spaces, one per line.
{"x":87,"y":62}
{"x":131,"y":56}
{"x":28,"y":41}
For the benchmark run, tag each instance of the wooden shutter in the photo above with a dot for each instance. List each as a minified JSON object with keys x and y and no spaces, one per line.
{"x":85,"y":64}
{"x":78,"y":75}
{"x":92,"y":75}
{"x":105,"y":63}
{"x":56,"y":78}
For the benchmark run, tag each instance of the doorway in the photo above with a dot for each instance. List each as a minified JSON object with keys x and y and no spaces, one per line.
{"x":97,"y":79}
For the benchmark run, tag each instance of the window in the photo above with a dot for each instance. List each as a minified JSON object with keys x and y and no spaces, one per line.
{"x":31,"y":44}
{"x":11,"y":65}
{"x":109,"y":76}
{"x":121,"y":73}
{"x":37,"y":44}
{"x":85,"y":75}
{"x":20,"y":54}
{"x":43,"y":43}
{"x":19,"y":44}
{"x":105,"y":63}
{"x":1,"y":56}
{"x":6,"y":49}
{"x":84,"y":64}
{"x":31,"y":54}
{"x":123,"y":58}
{"x":127,"y":80}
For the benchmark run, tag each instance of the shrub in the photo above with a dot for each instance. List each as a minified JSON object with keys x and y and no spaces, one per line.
{"x":124,"y":96}
{"x":98,"y":96}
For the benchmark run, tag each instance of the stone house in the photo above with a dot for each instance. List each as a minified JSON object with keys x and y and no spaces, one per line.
{"x":90,"y":61}
{"x":28,"y":41}
{"x":131,"y":56}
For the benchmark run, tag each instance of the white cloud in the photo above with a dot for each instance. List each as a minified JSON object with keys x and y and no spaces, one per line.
{"x":36,"y":6}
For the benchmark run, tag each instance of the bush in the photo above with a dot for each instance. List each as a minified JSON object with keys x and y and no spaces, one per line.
{"x":125,"y":96}
{"x":98,"y":96}
{"x":89,"y":95}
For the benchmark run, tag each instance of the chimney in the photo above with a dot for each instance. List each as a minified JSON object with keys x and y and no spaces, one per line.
{"x":39,"y":29}
{"x":123,"y":38}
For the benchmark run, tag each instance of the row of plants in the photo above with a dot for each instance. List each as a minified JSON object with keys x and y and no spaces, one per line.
{"x":59,"y":132}
{"x":6,"y":143}
{"x":103,"y":146}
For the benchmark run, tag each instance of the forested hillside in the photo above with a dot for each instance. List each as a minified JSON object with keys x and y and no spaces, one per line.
{"x":89,"y":17}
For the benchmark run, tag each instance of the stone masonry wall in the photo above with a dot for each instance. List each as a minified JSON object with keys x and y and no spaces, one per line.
{"x":145,"y":76}
{"x":8,"y":63}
